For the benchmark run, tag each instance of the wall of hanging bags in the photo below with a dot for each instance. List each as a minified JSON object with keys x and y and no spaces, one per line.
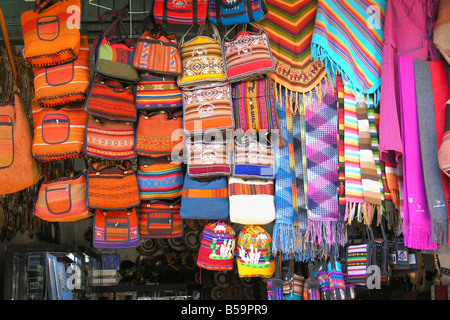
{"x":154,"y":121}
{"x":175,"y":128}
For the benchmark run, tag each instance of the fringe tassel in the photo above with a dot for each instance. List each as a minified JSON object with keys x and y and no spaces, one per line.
{"x":395,"y":195}
{"x":439,"y":231}
{"x":326,"y":234}
{"x":419,"y":237}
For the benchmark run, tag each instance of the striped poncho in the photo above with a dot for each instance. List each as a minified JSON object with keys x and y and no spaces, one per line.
{"x":289,"y":24}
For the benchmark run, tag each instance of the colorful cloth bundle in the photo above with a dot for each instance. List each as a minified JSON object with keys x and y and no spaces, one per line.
{"x":325,"y":225}
{"x":289,"y":25}
{"x":348,"y":38}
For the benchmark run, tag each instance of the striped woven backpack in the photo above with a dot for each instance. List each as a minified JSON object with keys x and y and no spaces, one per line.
{"x":160,"y":219}
{"x":116,"y":229}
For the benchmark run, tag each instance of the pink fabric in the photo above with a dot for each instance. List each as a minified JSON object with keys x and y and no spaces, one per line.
{"x":405,"y":26}
{"x":417,"y":221}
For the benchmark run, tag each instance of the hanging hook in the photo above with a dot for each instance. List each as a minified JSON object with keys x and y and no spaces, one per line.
{"x":91,"y":2}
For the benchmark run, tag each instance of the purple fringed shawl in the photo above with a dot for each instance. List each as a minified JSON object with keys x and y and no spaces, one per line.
{"x":325,"y":224}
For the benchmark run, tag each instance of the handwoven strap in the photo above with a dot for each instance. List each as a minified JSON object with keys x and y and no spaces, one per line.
{"x":4,"y":36}
{"x":205,"y":193}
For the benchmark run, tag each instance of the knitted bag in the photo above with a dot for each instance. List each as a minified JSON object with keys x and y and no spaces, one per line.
{"x":205,"y":199}
{"x":66,"y":83}
{"x":116,"y":229}
{"x":158,"y":134}
{"x":155,"y":93}
{"x":110,"y":99}
{"x":62,"y":200}
{"x":254,"y":252}
{"x":58,"y":134}
{"x":112,"y":186}
{"x":208,"y":106}
{"x":254,"y":106}
{"x":248,"y":54}
{"x":109,"y":139}
{"x":159,"y":180}
{"x":208,"y":157}
{"x":113,"y":50}
{"x":217,"y":247}
{"x":254,"y":156}
{"x":160,"y":219}
{"x":180,"y":12}
{"x":202,"y":58}
{"x":157,"y":51}
{"x":227,"y":13}
{"x":251,"y":201}
{"x":51,"y":36}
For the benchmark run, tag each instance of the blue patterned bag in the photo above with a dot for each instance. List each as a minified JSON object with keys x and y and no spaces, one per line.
{"x":231,"y":12}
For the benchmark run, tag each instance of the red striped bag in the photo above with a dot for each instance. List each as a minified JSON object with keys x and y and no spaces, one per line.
{"x":109,"y":99}
{"x":66,"y":83}
{"x":109,"y":139}
{"x":157,"y":51}
{"x":116,"y":229}
{"x":156,"y":93}
{"x":248,"y":54}
{"x":180,"y":11}
{"x":160,"y":134}
{"x":160,"y":219}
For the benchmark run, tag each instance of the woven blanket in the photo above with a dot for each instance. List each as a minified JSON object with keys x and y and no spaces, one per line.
{"x":432,"y":92}
{"x":417,"y":221}
{"x":348,"y":38}
{"x":354,"y":195}
{"x":325,"y":225}
{"x":289,"y":25}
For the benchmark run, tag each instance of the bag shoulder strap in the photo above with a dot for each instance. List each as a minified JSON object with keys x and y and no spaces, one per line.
{"x":5,"y":38}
